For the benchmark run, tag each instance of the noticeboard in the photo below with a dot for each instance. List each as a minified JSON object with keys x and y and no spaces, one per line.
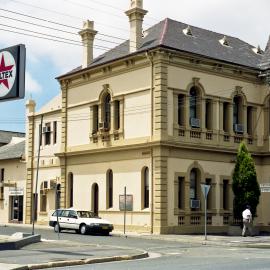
{"x":129,"y":202}
{"x":12,"y":72}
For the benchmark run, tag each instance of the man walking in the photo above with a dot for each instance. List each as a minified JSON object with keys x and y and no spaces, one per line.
{"x":247,"y":221}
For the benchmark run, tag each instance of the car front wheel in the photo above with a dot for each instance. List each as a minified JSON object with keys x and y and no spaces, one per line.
{"x":57,"y":228}
{"x":83,"y":229}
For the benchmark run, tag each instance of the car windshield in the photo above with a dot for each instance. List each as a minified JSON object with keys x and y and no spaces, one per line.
{"x":85,"y":214}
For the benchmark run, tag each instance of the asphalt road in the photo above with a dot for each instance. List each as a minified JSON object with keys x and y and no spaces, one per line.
{"x":165,"y":254}
{"x":206,"y":259}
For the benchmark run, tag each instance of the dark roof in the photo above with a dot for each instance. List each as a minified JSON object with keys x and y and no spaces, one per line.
{"x":6,"y":136}
{"x":169,"y":33}
{"x":12,"y":151}
{"x":265,"y":63}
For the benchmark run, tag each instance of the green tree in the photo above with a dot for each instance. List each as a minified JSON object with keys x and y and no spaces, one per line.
{"x":245,"y":185}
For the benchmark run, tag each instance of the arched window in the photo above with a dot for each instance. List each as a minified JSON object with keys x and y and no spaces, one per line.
{"x":194,"y":107}
{"x":193,"y":184}
{"x":145,"y":187}
{"x":238,"y":114}
{"x":107,"y":109}
{"x":109,"y":189}
{"x":95,"y":198}
{"x":70,"y":190}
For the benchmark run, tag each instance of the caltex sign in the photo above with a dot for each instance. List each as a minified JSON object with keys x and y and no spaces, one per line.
{"x":12,"y":72}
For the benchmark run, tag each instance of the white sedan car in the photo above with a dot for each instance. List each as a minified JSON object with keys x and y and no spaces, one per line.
{"x":79,"y":220}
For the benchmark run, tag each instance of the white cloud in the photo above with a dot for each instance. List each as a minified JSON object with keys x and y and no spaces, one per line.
{"x":31,"y":85}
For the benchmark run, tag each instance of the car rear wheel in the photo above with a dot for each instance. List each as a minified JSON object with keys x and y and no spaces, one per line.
{"x":57,"y":228}
{"x":83,"y":229}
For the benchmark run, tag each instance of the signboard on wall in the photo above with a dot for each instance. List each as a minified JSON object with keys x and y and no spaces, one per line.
{"x":12,"y":72}
{"x":265,"y":187}
{"x":13,"y":191}
{"x":129,"y":202}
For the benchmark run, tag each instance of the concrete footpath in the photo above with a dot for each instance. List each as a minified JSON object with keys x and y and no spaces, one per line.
{"x":53,"y":253}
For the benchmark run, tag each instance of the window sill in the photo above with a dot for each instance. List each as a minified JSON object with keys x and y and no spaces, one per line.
{"x":42,"y":213}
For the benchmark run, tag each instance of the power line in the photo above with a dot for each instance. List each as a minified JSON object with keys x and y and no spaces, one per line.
{"x":110,"y":6}
{"x":69,"y":15}
{"x":40,"y":19}
{"x":58,"y":39}
{"x":39,"y":25}
{"x":29,"y":35}
{"x":57,"y":23}
{"x":35,"y":32}
{"x":48,"y":27}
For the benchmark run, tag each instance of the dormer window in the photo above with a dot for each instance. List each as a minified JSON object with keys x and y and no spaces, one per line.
{"x":224,"y":41}
{"x":145,"y":33}
{"x":187,"y":31}
{"x":258,"y":50}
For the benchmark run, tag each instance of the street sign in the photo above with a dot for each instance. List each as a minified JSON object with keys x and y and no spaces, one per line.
{"x":128,"y":206}
{"x":205,"y":190}
{"x":265,"y":187}
{"x":12,"y":73}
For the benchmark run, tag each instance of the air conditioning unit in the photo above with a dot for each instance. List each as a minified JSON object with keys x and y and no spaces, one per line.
{"x":195,"y":204}
{"x":195,"y":122}
{"x":239,"y":128}
{"x":103,"y":126}
{"x":46,"y":129}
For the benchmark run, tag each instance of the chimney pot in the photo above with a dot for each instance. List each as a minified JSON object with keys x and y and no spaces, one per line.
{"x":136,"y":14}
{"x":87,"y":35}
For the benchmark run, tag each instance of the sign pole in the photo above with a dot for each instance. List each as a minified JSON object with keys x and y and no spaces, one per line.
{"x":57,"y":214}
{"x":125,"y":206}
{"x":205,"y":217}
{"x":34,"y":208}
{"x":205,"y":190}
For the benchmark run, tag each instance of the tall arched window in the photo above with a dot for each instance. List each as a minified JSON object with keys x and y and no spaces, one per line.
{"x":70,"y":190}
{"x":194,"y":107}
{"x":238,"y":114}
{"x":145,"y":187}
{"x":193,"y":184}
{"x":107,"y":109}
{"x":95,"y":198}
{"x":109,"y":189}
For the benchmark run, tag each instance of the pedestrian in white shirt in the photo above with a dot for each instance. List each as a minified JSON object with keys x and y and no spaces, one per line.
{"x":247,"y":221}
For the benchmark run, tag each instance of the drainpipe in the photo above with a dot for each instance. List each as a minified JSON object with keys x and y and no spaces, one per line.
{"x":150,"y":58}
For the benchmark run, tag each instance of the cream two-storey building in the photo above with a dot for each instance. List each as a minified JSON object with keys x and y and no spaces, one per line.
{"x":159,"y":115}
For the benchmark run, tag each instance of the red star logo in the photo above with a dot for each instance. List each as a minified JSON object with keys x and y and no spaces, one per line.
{"x":4,"y":68}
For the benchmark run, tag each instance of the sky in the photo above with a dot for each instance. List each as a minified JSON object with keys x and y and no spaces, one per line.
{"x":49,"y":31}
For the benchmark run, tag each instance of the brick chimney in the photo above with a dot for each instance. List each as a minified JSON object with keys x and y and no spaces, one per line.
{"x":136,"y":14}
{"x":87,"y":34}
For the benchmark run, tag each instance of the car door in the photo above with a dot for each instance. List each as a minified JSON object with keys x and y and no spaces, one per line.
{"x":73,"y":220}
{"x":64,"y":219}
